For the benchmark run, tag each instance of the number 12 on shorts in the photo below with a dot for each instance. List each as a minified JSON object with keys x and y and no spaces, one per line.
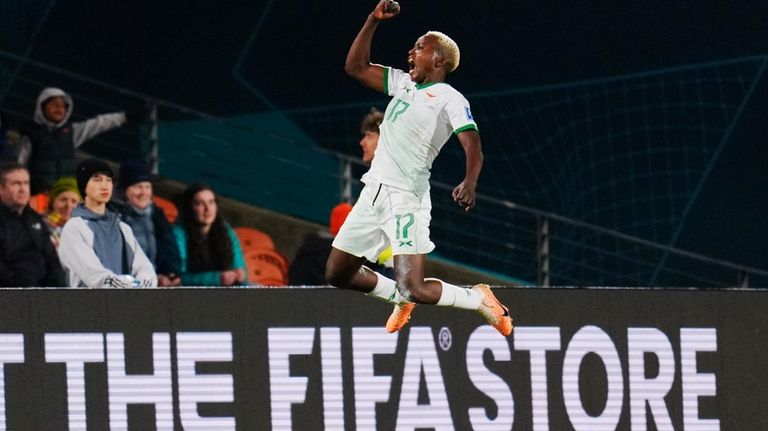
{"x":403,"y":223}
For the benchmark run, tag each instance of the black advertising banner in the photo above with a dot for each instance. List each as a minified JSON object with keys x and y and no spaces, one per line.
{"x":320,"y":359}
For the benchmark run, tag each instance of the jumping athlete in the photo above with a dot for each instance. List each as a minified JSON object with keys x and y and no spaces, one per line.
{"x":394,"y":206}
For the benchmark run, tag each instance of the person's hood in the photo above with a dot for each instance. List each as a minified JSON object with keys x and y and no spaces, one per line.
{"x":46,"y":94}
{"x":81,"y":211}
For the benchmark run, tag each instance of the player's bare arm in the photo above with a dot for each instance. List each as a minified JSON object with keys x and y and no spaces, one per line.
{"x":464,"y":193}
{"x":358,"y":64}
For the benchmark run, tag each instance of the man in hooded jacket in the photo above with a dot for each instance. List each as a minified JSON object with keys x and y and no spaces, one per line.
{"x":48,"y":143}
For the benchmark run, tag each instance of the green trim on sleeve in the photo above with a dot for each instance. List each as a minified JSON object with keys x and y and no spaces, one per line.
{"x":386,"y":80}
{"x":465,"y":128}
{"x":427,"y":85}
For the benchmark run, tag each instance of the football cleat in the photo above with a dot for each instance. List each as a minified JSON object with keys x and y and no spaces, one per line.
{"x":400,"y":316}
{"x":494,"y":312}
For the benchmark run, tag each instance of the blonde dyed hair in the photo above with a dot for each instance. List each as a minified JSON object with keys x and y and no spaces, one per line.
{"x":448,"y":48}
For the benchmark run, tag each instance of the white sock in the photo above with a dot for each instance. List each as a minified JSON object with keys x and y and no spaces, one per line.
{"x":386,"y":290}
{"x":458,"y":297}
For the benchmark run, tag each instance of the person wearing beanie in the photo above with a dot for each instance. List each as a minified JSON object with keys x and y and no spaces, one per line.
{"x":308,"y":265}
{"x":96,"y":248}
{"x":148,"y":221}
{"x":339,"y":213}
{"x":64,"y":197}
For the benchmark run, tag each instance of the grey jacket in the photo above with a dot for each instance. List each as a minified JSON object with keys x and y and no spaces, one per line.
{"x":80,"y":246}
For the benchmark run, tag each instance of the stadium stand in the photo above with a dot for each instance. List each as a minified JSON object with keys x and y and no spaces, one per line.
{"x":266,"y":267}
{"x":251,"y":239}
{"x":504,"y":239}
{"x":170,"y":209}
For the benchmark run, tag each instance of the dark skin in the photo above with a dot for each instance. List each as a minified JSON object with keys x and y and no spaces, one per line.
{"x":426,"y":64}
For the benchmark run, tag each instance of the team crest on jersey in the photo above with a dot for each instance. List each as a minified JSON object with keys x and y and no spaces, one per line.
{"x":469,"y":113}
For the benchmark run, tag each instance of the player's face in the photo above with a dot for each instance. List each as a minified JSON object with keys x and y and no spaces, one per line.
{"x":99,"y":188}
{"x":14,"y":190}
{"x":422,"y":58}
{"x":368,"y":143}
{"x":64,"y":203}
{"x":139,"y":195}
{"x":204,"y":207}
{"x":55,"y":109}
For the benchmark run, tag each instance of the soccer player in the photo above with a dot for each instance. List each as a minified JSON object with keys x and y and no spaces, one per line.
{"x":394,"y":206}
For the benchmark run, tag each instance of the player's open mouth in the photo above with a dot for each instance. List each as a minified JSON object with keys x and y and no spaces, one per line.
{"x":411,"y":64}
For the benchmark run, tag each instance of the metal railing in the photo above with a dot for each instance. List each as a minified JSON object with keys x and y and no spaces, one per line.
{"x":547,"y":249}
{"x":499,"y":236}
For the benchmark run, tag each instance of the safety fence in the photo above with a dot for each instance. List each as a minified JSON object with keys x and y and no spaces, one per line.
{"x":274,"y":160}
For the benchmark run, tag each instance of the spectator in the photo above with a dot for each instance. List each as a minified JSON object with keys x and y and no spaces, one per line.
{"x":27,"y":256}
{"x":64,"y":198}
{"x":97,"y":249}
{"x":210,"y":251}
{"x":370,"y":130}
{"x":148,"y":222}
{"x":48,"y":144}
{"x":308,"y":266}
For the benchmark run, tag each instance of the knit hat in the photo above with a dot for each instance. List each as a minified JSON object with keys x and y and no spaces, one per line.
{"x":64,"y":184}
{"x":338,"y":215}
{"x":88,"y":168}
{"x":134,"y":171}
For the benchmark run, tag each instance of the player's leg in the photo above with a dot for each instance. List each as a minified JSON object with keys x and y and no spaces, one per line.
{"x":345,"y":271}
{"x":361,"y":236}
{"x":409,"y":272}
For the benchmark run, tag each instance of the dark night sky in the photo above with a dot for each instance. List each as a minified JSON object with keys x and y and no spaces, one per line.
{"x":174,"y":50}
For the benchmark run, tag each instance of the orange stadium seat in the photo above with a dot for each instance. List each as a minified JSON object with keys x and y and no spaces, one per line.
{"x":171,"y":212}
{"x":266,"y":267}
{"x":251,"y":239}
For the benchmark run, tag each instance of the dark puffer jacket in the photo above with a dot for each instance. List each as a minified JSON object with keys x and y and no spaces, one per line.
{"x":27,"y":256}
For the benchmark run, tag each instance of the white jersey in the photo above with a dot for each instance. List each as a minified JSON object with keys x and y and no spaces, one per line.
{"x":418,"y":121}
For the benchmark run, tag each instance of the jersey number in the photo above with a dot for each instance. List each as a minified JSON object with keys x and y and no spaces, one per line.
{"x":402,"y":235}
{"x":398,"y":109}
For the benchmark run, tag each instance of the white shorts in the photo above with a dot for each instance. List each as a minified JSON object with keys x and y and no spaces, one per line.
{"x":385,"y":216}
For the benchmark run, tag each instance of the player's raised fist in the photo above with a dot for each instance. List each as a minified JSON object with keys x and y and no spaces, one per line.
{"x":386,"y":9}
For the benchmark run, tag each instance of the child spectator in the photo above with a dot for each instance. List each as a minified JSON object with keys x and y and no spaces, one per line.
{"x":97,"y":249}
{"x":64,"y":198}
{"x":148,"y":222}
{"x":27,"y":256}
{"x":210,"y":250}
{"x":47,"y":146}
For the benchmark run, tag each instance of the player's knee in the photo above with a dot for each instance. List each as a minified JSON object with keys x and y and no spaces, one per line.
{"x":332,"y":276}
{"x":336,"y":278}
